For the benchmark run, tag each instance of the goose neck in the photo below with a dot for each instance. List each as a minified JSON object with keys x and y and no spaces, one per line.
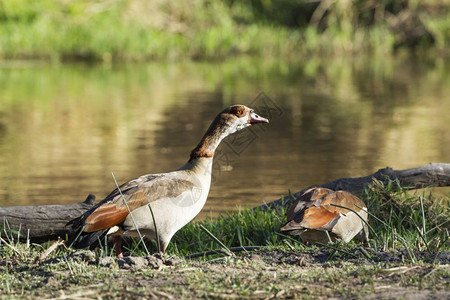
{"x":201,"y":166}
{"x":211,"y":140}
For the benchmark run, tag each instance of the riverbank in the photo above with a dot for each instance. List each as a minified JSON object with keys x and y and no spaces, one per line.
{"x":273,"y":273}
{"x":214,"y":30}
{"x":408,"y":255}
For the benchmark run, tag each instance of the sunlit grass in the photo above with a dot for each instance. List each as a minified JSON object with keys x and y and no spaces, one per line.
{"x":178,"y":30}
{"x":399,"y":221}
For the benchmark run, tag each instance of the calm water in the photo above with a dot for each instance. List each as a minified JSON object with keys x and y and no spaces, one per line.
{"x":65,"y":128}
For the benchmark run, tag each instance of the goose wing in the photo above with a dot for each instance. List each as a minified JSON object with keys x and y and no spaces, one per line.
{"x":139,"y":192}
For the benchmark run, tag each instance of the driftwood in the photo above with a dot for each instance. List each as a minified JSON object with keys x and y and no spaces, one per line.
{"x":430,"y":175}
{"x":45,"y":222}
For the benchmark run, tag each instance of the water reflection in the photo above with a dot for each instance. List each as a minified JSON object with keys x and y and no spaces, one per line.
{"x":64,"y":129}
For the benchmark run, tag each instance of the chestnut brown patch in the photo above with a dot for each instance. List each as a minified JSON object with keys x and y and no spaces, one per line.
{"x":106,"y":216}
{"x":201,"y":151}
{"x":317,"y":217}
{"x":238,"y":110}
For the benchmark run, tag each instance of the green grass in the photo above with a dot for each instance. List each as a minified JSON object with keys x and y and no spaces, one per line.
{"x":408,"y":253}
{"x":401,"y":220}
{"x":418,"y":221}
{"x":398,"y":219}
{"x":140,"y":30}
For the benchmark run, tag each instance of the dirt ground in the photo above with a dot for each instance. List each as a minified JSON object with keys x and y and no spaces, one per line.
{"x":257,"y":275}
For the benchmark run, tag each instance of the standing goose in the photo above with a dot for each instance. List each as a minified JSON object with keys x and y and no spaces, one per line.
{"x":175,"y":197}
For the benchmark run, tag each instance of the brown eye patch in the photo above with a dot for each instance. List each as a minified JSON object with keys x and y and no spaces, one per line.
{"x":238,"y":110}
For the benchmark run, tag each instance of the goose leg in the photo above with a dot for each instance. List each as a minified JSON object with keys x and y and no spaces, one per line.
{"x":118,"y":246}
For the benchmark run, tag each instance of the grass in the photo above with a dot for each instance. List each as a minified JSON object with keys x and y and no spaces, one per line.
{"x":398,"y":218}
{"x":118,"y":30}
{"x":410,"y":255}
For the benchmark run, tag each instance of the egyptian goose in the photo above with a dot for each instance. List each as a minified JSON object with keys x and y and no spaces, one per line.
{"x":312,"y":215}
{"x":175,"y":197}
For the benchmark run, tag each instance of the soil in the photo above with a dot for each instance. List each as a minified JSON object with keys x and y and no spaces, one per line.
{"x":256,"y":275}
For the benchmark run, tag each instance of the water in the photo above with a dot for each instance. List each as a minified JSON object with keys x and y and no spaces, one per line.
{"x":65,"y":128}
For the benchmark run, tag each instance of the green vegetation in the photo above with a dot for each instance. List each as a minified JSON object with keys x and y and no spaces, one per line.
{"x":408,"y":254}
{"x":119,"y":30}
{"x":400,"y":221}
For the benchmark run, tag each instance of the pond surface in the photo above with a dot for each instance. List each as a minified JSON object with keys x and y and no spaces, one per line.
{"x":65,"y":128}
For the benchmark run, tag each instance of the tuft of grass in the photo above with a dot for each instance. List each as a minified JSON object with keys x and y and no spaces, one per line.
{"x":402,"y":218}
{"x":248,"y":227}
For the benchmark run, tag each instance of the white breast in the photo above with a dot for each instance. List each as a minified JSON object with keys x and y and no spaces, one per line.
{"x":170,"y":214}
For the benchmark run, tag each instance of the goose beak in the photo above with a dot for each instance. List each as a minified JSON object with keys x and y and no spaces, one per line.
{"x":255,"y":118}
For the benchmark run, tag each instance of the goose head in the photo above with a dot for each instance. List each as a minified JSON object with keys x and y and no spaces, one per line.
{"x":238,"y":117}
{"x":228,"y":121}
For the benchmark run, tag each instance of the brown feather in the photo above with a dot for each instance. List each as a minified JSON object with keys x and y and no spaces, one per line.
{"x":106,"y":216}
{"x":112,"y":214}
{"x":317,"y":217}
{"x":342,"y":198}
{"x":318,"y":193}
{"x":305,"y":200}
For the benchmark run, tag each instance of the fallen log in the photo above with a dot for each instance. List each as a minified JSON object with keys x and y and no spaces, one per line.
{"x":46,"y":222}
{"x":430,"y":175}
{"x":42,"y":222}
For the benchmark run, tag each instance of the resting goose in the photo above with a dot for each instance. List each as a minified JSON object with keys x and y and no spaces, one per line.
{"x":312,"y":215}
{"x":175,"y":197}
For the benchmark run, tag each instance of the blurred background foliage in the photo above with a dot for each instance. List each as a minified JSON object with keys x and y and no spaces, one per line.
{"x":140,"y":30}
